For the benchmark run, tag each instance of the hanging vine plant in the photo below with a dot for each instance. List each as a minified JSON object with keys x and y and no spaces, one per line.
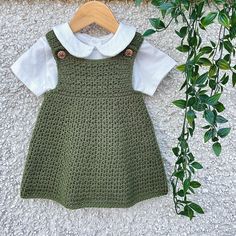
{"x":202,"y":90}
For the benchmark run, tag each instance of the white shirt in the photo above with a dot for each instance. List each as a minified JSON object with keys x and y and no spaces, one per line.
{"x":37,"y":69}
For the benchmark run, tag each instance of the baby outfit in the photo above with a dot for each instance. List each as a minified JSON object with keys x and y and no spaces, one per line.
{"x":93,"y":144}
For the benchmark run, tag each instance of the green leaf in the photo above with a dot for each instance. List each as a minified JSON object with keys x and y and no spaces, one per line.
{"x":203,"y":98}
{"x":213,"y":99}
{"x":156,"y":2}
{"x":175,"y":150}
{"x":223,"y":19}
{"x":202,"y":78}
{"x":183,"y":31}
{"x":183,"y":213}
{"x":208,"y":135}
{"x":191,"y":131}
{"x":198,"y":106}
{"x":191,"y":157}
{"x":203,"y":91}
{"x":212,"y":43}
{"x":157,"y":23}
{"x":183,"y":143}
{"x":195,"y":184}
{"x":188,"y":211}
{"x":224,"y":79}
{"x":180,"y":193}
{"x":227,"y":57}
{"x":208,"y":19}
{"x":228,"y":46}
{"x":234,"y":79}
{"x":166,"y":6}
{"x":221,"y":119}
{"x":212,"y":70}
{"x":191,"y":90}
{"x":183,"y":48}
{"x":217,"y":148}
{"x":186,"y":184}
{"x":190,"y":116}
{"x":183,"y":85}
{"x":180,"y":103}
{"x":186,"y":5}
{"x":204,"y":61}
{"x":223,"y":64}
{"x":199,"y":42}
{"x":191,"y":101}
{"x":192,"y":40}
{"x":179,"y":174}
{"x":206,"y":127}
{"x":212,"y":84}
{"x":191,"y":189}
{"x":233,"y":18}
{"x":199,"y":8}
{"x":180,"y":160}
{"x":209,"y":116}
{"x":149,"y":32}
{"x":201,"y":26}
{"x":181,"y":67}
{"x":219,"y":2}
{"x":223,"y":132}
{"x":215,"y":139}
{"x":192,"y":169}
{"x":196,"y":208}
{"x":196,"y":165}
{"x":206,"y":49}
{"x":219,"y":106}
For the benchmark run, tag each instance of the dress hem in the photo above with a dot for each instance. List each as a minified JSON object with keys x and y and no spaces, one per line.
{"x":97,"y":204}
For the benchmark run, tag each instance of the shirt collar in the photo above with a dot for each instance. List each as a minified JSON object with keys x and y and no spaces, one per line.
{"x":114,"y":42}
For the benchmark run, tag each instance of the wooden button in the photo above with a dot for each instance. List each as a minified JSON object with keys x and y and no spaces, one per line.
{"x":61,"y":54}
{"x":128,"y":52}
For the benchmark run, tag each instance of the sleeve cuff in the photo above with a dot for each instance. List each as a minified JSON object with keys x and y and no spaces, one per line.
{"x":31,"y":86}
{"x":161,"y":74}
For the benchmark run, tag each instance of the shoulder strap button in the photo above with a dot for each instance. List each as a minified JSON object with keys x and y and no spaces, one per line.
{"x":61,"y":54}
{"x":128,"y":52}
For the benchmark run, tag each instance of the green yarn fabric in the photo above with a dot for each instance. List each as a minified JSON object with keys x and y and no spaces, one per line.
{"x":93,"y":144}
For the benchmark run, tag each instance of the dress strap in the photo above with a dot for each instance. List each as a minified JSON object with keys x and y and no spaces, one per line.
{"x":136,"y":42}
{"x":54,"y":42}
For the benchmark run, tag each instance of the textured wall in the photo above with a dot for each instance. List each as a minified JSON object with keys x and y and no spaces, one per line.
{"x":23,"y":23}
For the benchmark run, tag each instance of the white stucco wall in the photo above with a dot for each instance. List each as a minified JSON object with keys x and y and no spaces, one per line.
{"x":21,"y":25}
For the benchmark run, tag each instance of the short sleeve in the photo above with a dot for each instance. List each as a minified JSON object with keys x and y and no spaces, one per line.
{"x":35,"y":68}
{"x":151,"y":65}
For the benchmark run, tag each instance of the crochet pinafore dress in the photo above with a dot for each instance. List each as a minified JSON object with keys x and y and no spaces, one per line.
{"x":93,"y":144}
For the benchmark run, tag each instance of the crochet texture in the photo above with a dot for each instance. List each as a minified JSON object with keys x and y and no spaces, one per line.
{"x":93,"y":144}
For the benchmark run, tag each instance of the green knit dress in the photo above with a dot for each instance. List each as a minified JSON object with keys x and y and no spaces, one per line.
{"x":93,"y":144}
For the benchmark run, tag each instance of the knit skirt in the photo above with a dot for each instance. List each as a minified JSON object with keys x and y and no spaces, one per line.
{"x":93,"y":152}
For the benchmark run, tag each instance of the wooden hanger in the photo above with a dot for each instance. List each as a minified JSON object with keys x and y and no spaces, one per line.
{"x":94,"y":12}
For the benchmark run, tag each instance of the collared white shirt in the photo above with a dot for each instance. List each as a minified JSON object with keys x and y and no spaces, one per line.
{"x":37,"y":69}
